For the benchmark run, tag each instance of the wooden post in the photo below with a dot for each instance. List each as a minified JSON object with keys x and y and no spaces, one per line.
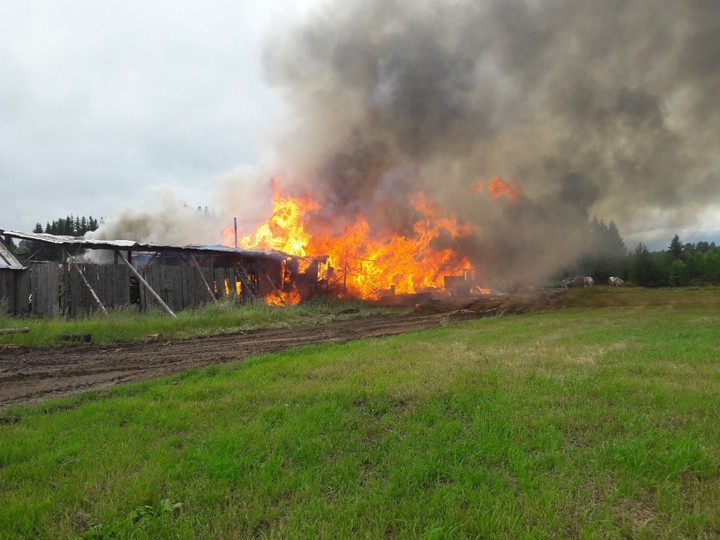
{"x":215,"y":287}
{"x":86,"y":282}
{"x":147,"y":286}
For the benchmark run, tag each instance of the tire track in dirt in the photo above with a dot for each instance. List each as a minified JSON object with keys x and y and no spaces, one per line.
{"x":29,"y":374}
{"x":33,"y":374}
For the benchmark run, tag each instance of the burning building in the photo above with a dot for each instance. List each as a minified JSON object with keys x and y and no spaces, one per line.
{"x":106,"y":274}
{"x":427,"y":139}
{"x":434,"y":139}
{"x":362,"y":261}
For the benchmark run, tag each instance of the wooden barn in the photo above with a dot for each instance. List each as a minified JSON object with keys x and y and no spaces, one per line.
{"x":107,"y":274}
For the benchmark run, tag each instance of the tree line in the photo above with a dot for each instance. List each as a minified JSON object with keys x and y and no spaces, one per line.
{"x":66,"y":226}
{"x":69,"y":226}
{"x":679,"y":265}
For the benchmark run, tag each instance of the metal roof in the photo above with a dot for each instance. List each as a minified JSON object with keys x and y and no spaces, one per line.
{"x":218,"y":248}
{"x":8,"y":261}
{"x":131,"y":245}
{"x":61,"y":240}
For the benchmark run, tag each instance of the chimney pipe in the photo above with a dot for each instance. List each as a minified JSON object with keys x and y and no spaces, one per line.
{"x":235,"y":229}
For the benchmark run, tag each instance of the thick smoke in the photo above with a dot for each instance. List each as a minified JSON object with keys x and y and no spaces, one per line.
{"x":604,"y":109}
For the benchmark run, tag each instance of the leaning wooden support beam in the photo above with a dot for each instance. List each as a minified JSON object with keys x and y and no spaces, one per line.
{"x":150,"y":261}
{"x":207,"y":285}
{"x":147,"y":285}
{"x":30,"y":257}
{"x":86,"y":282}
{"x":280,"y":296}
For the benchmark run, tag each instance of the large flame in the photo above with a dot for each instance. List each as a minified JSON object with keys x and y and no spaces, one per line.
{"x":285,"y":230}
{"x":366,"y":262}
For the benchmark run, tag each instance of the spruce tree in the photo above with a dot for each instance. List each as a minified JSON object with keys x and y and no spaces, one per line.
{"x":676,"y":249}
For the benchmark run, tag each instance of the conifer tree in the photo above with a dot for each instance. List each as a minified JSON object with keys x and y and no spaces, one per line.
{"x":676,"y":249}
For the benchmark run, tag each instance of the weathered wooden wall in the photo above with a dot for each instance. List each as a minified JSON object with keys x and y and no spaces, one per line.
{"x":23,"y":287}
{"x":33,"y":290}
{"x":111,"y":283}
{"x":7,"y":290}
{"x":45,"y":288}
{"x":180,"y":287}
{"x":51,"y":289}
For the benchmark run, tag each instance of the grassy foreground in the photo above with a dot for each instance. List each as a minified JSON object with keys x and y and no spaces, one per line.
{"x":590,"y":422}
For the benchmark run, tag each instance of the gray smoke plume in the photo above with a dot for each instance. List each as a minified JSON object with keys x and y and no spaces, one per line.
{"x":166,"y":221}
{"x":604,"y":109}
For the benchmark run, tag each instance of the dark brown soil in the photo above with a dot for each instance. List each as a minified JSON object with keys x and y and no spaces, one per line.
{"x":29,"y":374}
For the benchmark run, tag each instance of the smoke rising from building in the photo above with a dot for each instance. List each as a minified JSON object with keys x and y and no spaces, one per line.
{"x":587,"y":108}
{"x":166,"y":220}
{"x":590,"y":108}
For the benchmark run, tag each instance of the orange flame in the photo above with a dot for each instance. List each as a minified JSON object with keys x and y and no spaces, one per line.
{"x":479,"y":290}
{"x":285,"y":230}
{"x":497,"y":187}
{"x":280,"y":298}
{"x":365,"y":261}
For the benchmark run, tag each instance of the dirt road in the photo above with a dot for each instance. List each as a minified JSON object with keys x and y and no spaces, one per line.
{"x":34,"y":374}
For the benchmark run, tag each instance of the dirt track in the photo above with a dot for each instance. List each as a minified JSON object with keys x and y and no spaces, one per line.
{"x":34,"y":374}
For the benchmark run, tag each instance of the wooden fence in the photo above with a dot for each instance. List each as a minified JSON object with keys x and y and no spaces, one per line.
{"x":50,"y":289}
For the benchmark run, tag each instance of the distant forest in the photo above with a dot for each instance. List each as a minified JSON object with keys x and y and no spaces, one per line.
{"x":67,"y":226}
{"x":607,"y":255}
{"x":679,"y":265}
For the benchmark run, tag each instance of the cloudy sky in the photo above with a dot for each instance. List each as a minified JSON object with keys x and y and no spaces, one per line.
{"x":102,"y":101}
{"x":604,"y":109}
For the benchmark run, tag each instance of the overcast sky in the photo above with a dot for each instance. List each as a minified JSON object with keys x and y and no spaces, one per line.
{"x":102,"y":102}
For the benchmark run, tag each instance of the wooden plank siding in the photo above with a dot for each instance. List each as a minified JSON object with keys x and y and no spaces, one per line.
{"x":23,"y":287}
{"x":60,"y":290}
{"x":45,"y":288}
{"x":111,"y":283}
{"x":8,"y":279}
{"x":181,"y":287}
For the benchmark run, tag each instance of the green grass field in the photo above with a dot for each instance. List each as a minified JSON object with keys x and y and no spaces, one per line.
{"x":598,"y":421}
{"x":214,"y":319}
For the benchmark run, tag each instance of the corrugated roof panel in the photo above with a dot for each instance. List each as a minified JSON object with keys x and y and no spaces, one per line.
{"x":74,"y":240}
{"x":88,"y":243}
{"x":8,"y":261}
